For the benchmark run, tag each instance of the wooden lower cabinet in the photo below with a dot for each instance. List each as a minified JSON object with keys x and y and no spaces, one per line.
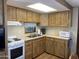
{"x":28,"y":50}
{"x":60,"y":48}
{"x":50,"y":45}
{"x":38,"y":47}
{"x":53,"y":46}
{"x":35,"y":48}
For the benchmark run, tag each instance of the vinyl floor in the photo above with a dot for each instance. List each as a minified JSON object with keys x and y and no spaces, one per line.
{"x":47,"y":56}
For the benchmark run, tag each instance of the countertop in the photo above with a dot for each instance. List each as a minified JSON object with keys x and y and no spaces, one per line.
{"x":52,"y":36}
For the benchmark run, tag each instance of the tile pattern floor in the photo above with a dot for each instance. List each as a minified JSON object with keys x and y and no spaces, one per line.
{"x":47,"y":56}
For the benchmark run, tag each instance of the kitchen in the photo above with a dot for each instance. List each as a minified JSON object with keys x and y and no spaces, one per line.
{"x":35,"y":32}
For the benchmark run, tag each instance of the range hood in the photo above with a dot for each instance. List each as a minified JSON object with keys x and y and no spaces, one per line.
{"x":14,"y":23}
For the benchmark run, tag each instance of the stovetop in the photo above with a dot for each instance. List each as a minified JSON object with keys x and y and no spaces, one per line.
{"x":16,"y":39}
{"x":13,"y":40}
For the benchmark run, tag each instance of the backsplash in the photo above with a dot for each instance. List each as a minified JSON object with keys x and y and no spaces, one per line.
{"x":55,"y":31}
{"x":17,"y":31}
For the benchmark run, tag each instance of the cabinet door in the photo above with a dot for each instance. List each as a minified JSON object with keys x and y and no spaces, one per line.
{"x":60,"y":48}
{"x":44,"y":20}
{"x":58,"y":19}
{"x":28,"y":50}
{"x":11,"y":11}
{"x":24,"y":16}
{"x":41,"y":45}
{"x":61,"y":19}
{"x":38,"y":47}
{"x":29,"y":15}
{"x":50,"y":45}
{"x":65,"y":18}
{"x":21,"y":15}
{"x":49,"y":20}
{"x":35,"y":48}
{"x":52,"y":20}
{"x":36,"y":17}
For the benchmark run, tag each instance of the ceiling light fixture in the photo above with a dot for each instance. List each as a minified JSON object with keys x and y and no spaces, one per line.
{"x":41,"y":7}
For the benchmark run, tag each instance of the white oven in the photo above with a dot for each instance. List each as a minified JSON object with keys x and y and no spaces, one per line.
{"x":16,"y":50}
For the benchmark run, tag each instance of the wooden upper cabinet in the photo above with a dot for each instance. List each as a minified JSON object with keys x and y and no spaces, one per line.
{"x":36,"y":17}
{"x":44,"y":20}
{"x":29,"y":16}
{"x":61,"y":19}
{"x":21,"y":15}
{"x":52,"y":19}
{"x":11,"y":13}
{"x":24,"y":15}
{"x":65,"y":18}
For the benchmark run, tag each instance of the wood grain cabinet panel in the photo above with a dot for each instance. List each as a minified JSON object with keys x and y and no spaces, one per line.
{"x":35,"y":48}
{"x":65,"y":19}
{"x":60,"y":19}
{"x":60,"y":48}
{"x":29,"y":16}
{"x":36,"y":17}
{"x":24,"y":16}
{"x":21,"y":15}
{"x":38,"y":47}
{"x":53,"y":46}
{"x":41,"y":45}
{"x":11,"y":13}
{"x":50,"y":45}
{"x":50,"y":19}
{"x":28,"y":50}
{"x":43,"y":20}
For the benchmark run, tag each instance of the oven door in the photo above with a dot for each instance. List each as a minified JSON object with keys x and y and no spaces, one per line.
{"x":16,"y":51}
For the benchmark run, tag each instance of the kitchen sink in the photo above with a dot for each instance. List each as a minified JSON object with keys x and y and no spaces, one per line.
{"x":33,"y":35}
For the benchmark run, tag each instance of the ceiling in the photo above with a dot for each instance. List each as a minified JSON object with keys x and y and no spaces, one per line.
{"x":24,"y":3}
{"x":74,"y":3}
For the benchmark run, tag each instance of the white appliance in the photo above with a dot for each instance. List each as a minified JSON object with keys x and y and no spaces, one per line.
{"x":14,"y":23}
{"x":15,"y":48}
{"x":65,"y":34}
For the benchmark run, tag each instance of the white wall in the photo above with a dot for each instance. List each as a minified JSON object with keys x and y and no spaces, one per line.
{"x":73,"y":30}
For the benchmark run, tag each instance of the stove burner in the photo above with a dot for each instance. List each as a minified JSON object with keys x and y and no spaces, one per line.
{"x":9,"y":41}
{"x":16,"y":39}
